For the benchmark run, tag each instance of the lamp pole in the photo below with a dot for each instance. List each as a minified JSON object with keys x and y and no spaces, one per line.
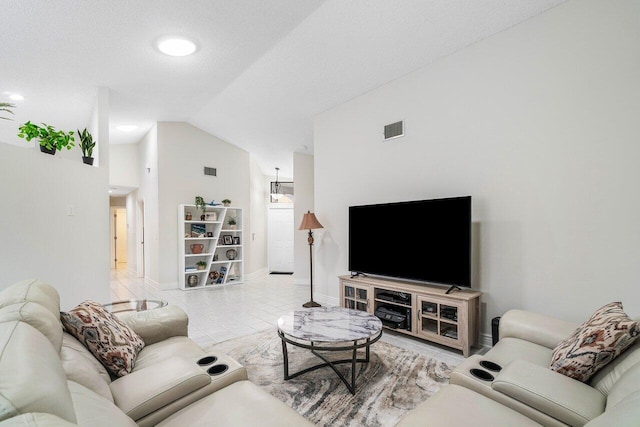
{"x":310,"y":222}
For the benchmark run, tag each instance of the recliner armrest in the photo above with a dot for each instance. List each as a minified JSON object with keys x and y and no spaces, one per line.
{"x":158,"y":324}
{"x":547,"y":391}
{"x":149,"y":389}
{"x":537,"y":328}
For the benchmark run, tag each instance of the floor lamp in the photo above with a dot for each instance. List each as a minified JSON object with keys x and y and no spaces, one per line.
{"x":310,"y":222}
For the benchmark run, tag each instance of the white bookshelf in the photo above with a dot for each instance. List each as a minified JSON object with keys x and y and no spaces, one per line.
{"x":221,"y":247}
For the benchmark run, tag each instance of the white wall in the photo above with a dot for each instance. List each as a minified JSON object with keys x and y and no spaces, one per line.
{"x":184,"y":150}
{"x":148,"y":194}
{"x":255,"y":237}
{"x":132,"y":231}
{"x":303,"y":175}
{"x":124,"y":165}
{"x":540,"y":125}
{"x":39,"y":239}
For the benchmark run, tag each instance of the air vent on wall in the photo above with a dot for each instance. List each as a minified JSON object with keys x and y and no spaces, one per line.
{"x":394,"y":130}
{"x":210,"y":171}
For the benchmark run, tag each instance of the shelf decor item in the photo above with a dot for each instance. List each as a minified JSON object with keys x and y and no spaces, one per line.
{"x":232,"y":223}
{"x":200,"y":265}
{"x":192,"y":280}
{"x":86,"y":145}
{"x":200,"y":204}
{"x":49,"y":138}
{"x":226,"y":202}
{"x":198,"y":230}
{"x":310,"y":222}
{"x":232,"y":254}
{"x":197,"y":248}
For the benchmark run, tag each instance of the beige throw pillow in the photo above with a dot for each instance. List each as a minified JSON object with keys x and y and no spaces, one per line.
{"x":595,"y":343}
{"x":112,"y":342}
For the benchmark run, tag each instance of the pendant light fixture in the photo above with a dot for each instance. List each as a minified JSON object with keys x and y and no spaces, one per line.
{"x":275,"y":187}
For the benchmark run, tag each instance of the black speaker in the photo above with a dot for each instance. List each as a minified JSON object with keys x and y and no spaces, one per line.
{"x":495,"y":323}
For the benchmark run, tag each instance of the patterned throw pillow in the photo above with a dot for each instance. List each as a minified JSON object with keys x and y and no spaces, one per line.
{"x":112,"y":342}
{"x":595,"y":343}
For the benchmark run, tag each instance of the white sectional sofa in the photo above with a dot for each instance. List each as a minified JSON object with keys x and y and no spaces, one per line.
{"x":48,"y":378}
{"x":525,"y":392}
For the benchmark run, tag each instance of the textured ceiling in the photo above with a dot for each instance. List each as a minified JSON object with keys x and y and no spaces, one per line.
{"x":263,"y":69}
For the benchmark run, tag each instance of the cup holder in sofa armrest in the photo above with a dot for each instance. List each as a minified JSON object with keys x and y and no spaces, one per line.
{"x":208,"y":360}
{"x":492,"y":366}
{"x":217,"y":369}
{"x":481,"y":374}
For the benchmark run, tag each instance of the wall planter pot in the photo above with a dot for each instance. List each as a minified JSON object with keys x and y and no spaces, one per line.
{"x":51,"y":151}
{"x":86,"y":160}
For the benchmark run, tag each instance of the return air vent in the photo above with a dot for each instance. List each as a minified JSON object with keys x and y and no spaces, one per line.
{"x":210,"y":171}
{"x":394,"y":130}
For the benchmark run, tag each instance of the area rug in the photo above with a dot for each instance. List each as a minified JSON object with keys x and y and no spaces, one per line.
{"x":391,"y":384}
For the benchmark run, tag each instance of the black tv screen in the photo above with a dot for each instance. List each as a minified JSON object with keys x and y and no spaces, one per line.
{"x":424,"y":240}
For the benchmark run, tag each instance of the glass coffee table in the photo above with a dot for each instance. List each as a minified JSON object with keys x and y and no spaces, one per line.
{"x":329,"y":329}
{"x":134,"y":305}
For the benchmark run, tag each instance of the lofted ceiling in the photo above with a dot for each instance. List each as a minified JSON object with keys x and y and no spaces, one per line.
{"x":262,"y":71}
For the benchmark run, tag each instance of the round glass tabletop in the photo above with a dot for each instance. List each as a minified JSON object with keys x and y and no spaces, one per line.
{"x":134,"y":305}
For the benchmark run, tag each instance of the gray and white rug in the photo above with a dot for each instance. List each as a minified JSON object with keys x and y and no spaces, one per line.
{"x":392,"y":383}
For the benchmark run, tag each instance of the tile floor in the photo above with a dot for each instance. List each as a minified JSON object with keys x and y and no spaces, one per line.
{"x":219,"y":314}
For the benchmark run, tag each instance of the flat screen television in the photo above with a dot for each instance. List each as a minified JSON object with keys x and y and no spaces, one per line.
{"x":427,"y":241}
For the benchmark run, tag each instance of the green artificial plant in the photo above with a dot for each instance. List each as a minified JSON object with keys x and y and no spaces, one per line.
{"x":86,"y":142}
{"x":200,"y":203}
{"x":47,"y":135}
{"x":6,"y":107}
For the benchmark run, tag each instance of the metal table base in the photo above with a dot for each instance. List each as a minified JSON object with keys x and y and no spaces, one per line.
{"x":315,"y":349}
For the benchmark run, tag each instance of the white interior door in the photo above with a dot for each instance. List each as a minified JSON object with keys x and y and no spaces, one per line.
{"x":280,"y":246}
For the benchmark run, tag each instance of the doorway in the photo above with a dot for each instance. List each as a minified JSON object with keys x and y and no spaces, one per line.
{"x":118,"y":238}
{"x":280,"y":241}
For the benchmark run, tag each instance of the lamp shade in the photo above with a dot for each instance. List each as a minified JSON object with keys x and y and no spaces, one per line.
{"x":310,"y":222}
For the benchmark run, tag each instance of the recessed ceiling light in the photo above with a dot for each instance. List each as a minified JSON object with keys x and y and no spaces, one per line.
{"x":127,"y":128}
{"x":176,"y":46}
{"x":16,"y":97}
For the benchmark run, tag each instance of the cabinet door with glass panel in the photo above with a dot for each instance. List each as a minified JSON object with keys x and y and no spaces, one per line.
{"x":438,"y":319}
{"x":355,"y":296}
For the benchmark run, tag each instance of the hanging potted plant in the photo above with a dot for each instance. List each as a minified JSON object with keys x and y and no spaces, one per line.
{"x":50,"y":139}
{"x":86,"y":145}
{"x":200,"y":204}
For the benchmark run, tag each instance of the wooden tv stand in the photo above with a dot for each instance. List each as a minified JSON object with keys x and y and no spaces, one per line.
{"x":452,"y":320}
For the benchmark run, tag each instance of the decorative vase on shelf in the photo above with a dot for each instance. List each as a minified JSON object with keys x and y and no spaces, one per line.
{"x":188,"y":216}
{"x":192,"y":280}
{"x":232,"y":254}
{"x":197,"y":248}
